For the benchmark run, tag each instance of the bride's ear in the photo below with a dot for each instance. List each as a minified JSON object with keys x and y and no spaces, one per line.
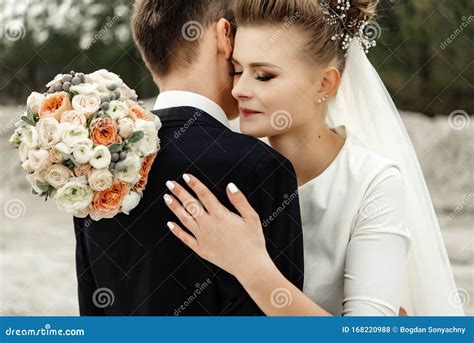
{"x":225,"y":38}
{"x":329,"y":83}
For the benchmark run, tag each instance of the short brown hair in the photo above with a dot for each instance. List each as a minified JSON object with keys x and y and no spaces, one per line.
{"x":167,"y":32}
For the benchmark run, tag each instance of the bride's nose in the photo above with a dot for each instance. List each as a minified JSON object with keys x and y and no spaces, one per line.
{"x":241,"y":89}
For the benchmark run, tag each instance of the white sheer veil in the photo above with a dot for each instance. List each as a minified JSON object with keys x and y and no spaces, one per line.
{"x":365,"y":107}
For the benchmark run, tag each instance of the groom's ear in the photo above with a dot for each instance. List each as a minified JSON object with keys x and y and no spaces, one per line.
{"x":225,"y":37}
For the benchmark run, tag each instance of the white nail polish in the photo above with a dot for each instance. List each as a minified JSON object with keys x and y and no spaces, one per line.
{"x":186,"y":178}
{"x":232,"y":188}
{"x":170,"y":185}
{"x":170,"y":225}
{"x":168,"y":199}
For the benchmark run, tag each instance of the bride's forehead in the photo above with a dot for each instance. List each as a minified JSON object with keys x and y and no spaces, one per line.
{"x":264,"y":47}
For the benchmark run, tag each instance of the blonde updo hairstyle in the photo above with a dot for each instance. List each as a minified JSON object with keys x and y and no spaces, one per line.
{"x":310,"y":16}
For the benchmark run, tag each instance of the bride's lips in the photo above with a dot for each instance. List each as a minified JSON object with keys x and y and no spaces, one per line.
{"x":247,"y":112}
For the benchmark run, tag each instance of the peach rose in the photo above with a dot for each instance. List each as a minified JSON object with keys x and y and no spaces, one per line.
{"x":82,"y":169}
{"x":106,"y":204}
{"x":104,"y":132}
{"x":137,"y":112}
{"x":144,"y":171}
{"x":54,"y":105}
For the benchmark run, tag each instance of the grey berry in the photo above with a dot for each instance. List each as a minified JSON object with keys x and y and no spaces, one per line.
{"x":115,"y":156}
{"x":119,"y":166}
{"x":67,"y":78}
{"x":104,"y":98}
{"x":111,"y":86}
{"x":117,"y":94}
{"x":123,"y":155}
{"x":58,"y":87}
{"x":75,"y":81}
{"x":112,"y":96}
{"x":66,"y":86}
{"x":105,"y":106}
{"x":112,"y":165}
{"x":72,"y":72}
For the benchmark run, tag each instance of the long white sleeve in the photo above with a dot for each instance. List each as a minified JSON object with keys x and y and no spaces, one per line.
{"x":376,"y":253}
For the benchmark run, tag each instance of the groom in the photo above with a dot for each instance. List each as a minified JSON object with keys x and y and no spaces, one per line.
{"x":133,"y":265}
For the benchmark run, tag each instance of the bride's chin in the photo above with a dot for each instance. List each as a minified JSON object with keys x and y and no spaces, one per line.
{"x":251,"y":129}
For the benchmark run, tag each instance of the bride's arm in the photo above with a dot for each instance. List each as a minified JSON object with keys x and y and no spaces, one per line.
{"x":237,"y":245}
{"x":274,"y":294}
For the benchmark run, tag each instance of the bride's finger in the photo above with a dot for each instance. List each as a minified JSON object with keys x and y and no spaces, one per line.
{"x":238,"y":199}
{"x":185,"y":237}
{"x":183,"y":215}
{"x":192,"y":205}
{"x":207,"y":198}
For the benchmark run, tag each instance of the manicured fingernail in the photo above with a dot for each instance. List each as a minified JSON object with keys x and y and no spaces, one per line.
{"x":232,"y":188}
{"x":168,"y":199}
{"x":186,"y":178}
{"x":170,"y":225}
{"x":170,"y":185}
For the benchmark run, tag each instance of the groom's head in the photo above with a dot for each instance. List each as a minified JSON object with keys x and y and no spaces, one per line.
{"x":187,"y":44}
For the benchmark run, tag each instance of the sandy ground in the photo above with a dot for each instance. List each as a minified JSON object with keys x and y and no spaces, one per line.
{"x":37,"y":244}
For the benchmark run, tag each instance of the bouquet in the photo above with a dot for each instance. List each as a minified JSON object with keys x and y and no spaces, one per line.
{"x":88,"y":144}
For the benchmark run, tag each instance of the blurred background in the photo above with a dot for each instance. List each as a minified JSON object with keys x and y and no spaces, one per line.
{"x":423,"y":54}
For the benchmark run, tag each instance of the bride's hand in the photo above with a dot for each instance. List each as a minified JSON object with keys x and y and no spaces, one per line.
{"x":230,"y":241}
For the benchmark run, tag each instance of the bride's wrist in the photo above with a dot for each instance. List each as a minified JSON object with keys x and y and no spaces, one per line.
{"x":255,"y":270}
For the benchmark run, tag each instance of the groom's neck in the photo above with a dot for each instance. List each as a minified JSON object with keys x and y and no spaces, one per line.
{"x":192,"y":81}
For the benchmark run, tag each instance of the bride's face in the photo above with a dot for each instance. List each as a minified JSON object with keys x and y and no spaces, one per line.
{"x":274,"y":85}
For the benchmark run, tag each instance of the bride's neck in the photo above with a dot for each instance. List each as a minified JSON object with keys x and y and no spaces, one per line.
{"x":310,"y":148}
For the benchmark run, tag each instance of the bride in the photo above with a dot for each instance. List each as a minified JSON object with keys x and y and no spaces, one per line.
{"x":373,"y":245}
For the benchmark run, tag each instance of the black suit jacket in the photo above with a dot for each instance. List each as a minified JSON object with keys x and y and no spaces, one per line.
{"x":133,"y":265}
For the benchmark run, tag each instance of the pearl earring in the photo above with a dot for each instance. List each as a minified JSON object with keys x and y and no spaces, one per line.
{"x":325,"y":97}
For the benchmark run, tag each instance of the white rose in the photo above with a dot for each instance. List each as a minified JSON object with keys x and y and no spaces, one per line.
{"x":100,"y":158}
{"x":23,"y":152}
{"x":82,"y":213}
{"x":82,"y":151}
{"x":118,"y":109}
{"x":149,"y":143}
{"x":72,"y":134}
{"x":100,"y":179}
{"x":38,"y":159}
{"x":86,"y":103}
{"x":126,"y":127}
{"x":127,"y":92}
{"x":63,"y":148}
{"x":26,"y":134}
{"x":130,"y":201}
{"x":157,"y":121}
{"x":104,"y":77}
{"x":131,"y":172}
{"x":34,"y":101}
{"x":74,"y":196}
{"x":58,"y":175}
{"x":55,"y":155}
{"x":48,"y":132}
{"x":74,"y":117}
{"x":33,"y":180}
{"x":84,"y":89}
{"x":26,"y":166}
{"x":55,"y":80}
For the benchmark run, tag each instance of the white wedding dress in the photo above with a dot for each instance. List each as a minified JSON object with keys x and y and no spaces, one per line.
{"x":355,"y":234}
{"x":372,"y":239}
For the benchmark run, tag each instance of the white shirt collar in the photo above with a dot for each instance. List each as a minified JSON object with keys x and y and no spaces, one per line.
{"x":169,"y":99}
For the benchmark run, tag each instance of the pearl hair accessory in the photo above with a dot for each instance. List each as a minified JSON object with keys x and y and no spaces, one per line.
{"x":338,"y":16}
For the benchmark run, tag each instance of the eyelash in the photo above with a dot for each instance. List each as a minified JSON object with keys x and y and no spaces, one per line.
{"x":259,"y":78}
